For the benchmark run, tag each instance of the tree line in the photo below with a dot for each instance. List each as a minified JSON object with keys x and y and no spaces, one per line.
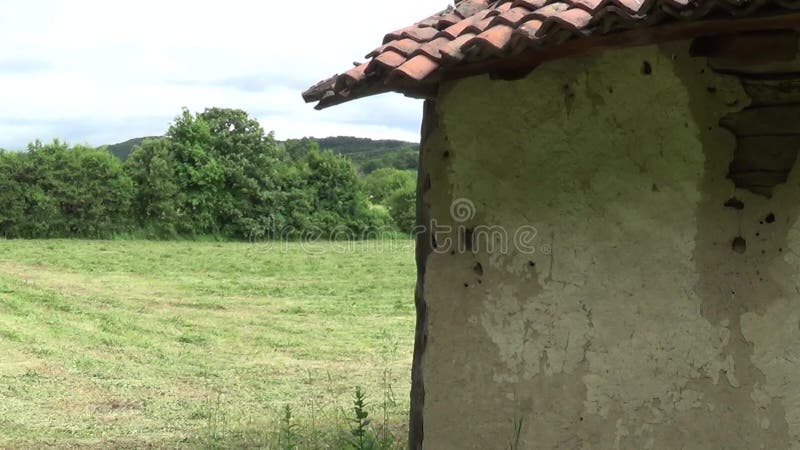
{"x":215,"y":173}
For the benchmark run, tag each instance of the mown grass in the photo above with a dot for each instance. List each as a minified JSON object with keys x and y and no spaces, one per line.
{"x":134,"y":344}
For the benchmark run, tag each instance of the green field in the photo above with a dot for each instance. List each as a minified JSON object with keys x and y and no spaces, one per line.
{"x":130,"y":344}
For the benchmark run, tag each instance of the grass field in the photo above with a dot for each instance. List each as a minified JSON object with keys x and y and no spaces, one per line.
{"x":130,"y":344}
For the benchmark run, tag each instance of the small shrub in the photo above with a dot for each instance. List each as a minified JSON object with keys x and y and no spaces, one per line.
{"x":361,"y":422}
{"x":289,"y":437}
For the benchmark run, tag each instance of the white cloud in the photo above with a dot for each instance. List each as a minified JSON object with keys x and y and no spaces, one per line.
{"x":99,"y":72}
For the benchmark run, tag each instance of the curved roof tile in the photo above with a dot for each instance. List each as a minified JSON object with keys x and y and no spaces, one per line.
{"x":479,"y":36}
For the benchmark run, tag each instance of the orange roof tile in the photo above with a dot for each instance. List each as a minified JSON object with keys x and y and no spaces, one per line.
{"x":485,"y":36}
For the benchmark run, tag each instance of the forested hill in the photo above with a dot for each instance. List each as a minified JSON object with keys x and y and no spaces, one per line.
{"x":367,"y":154}
{"x":370,"y":155}
{"x":123,"y":149}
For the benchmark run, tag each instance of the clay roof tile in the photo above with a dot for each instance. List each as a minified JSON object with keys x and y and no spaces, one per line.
{"x":494,"y":40}
{"x":388,"y":60}
{"x":416,"y":68}
{"x":471,"y":36}
{"x":403,"y":46}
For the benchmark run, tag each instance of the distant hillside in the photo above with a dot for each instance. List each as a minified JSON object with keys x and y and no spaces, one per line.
{"x":367,"y":154}
{"x":347,"y":144}
{"x":370,"y":154}
{"x":123,"y":149}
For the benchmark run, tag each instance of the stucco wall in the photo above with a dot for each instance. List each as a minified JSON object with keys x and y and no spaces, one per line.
{"x":630,"y":321}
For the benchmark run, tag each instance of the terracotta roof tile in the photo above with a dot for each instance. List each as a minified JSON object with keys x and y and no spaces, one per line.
{"x":550,"y":10}
{"x":455,"y":30}
{"x":588,"y":5}
{"x":353,"y":76}
{"x":417,"y":68}
{"x":452,"y":52}
{"x":500,"y":9}
{"x":632,"y":6}
{"x":377,"y":51}
{"x":531,"y":4}
{"x":397,"y":34}
{"x":574,"y":17}
{"x":529,"y":29}
{"x":421,"y":34}
{"x":403,"y":46}
{"x":494,"y":40}
{"x":512,"y":17}
{"x":448,"y":19}
{"x":388,"y":60}
{"x":475,"y":34}
{"x":471,"y":7}
{"x":433,"y":48}
{"x":471,"y":25}
{"x":480,"y":26}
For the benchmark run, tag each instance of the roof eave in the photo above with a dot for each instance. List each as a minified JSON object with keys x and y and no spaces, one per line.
{"x":520,"y":63}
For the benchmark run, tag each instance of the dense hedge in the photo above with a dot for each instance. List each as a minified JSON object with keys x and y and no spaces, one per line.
{"x":214,"y":173}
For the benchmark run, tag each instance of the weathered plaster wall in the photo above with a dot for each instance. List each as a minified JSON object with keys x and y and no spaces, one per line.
{"x":635,"y":323}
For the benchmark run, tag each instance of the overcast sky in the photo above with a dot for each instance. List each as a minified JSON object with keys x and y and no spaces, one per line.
{"x":100,"y":72}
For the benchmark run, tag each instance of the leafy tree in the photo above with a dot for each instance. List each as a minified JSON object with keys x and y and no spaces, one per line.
{"x":253,"y":165}
{"x":53,"y":190}
{"x":14,"y":198}
{"x":198,"y":175}
{"x":382,"y":183}
{"x":90,"y":187}
{"x":297,"y":149}
{"x":403,"y":208}
{"x":157,"y":199}
{"x":338,"y":202}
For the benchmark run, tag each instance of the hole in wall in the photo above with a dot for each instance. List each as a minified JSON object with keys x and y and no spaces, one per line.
{"x":767,"y":144}
{"x":739,"y":245}
{"x":647,"y":68}
{"x":735,"y":203}
{"x":478,"y":269}
{"x":770,"y":218}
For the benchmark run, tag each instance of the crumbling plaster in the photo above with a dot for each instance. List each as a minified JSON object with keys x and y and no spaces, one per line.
{"x":634,"y":323}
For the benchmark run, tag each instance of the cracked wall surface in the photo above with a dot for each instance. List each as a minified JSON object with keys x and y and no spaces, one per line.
{"x":634,"y":318}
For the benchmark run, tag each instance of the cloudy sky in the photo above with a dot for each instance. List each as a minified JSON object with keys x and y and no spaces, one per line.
{"x":100,"y":72}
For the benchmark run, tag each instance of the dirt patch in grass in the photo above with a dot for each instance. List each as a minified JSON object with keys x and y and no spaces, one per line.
{"x":14,"y":363}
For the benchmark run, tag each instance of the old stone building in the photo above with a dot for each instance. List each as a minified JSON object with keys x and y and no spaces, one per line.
{"x":610,"y":199}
